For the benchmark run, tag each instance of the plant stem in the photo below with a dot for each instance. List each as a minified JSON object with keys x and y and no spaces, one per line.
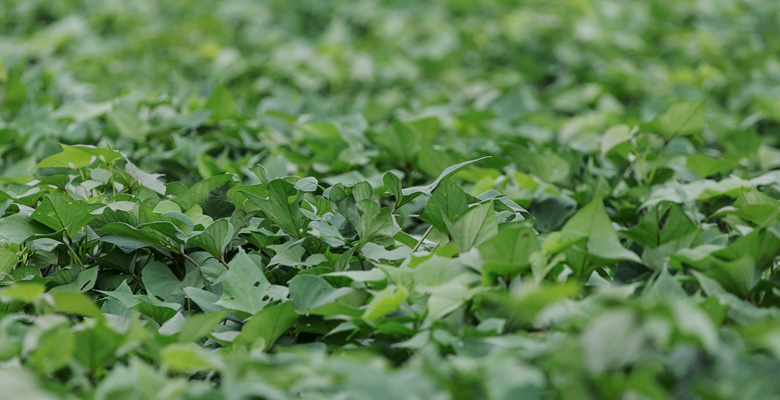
{"x":422,"y":239}
{"x":657,"y":162}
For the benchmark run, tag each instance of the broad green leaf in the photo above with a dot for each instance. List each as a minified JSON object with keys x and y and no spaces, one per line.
{"x":307,"y":184}
{"x":393,"y":186}
{"x":198,"y":326}
{"x":127,"y":123}
{"x":614,"y":137}
{"x":428,"y":189}
{"x":376,"y":223}
{"x":246,"y":288}
{"x":665,"y":286}
{"x":546,"y":165}
{"x":550,"y":212}
{"x":25,"y":292}
{"x":96,"y":346}
{"x":189,"y":357}
{"x":104,"y":154}
{"x":707,"y":166}
{"x":738,"y":276}
{"x":435,"y":271}
{"x":593,"y":222}
{"x":149,"y":181}
{"x":448,"y":202}
{"x":221,"y":104}
{"x":449,"y":296}
{"x":210,"y":195}
{"x":215,"y":238}
{"x":662,"y":224}
{"x":62,"y":212}
{"x":70,"y":157}
{"x":83,"y":282}
{"x":49,"y":344}
{"x":755,"y":207}
{"x":291,"y":254}
{"x":509,"y":251}
{"x":378,"y":253}
{"x":75,"y":303}
{"x":159,"y":280}
{"x":400,"y":139}
{"x":385,"y":302}
{"x":475,"y":227}
{"x":166,"y":206}
{"x":691,"y":320}
{"x":8,"y":261}
{"x":17,"y":228}
{"x":282,"y":206}
{"x":269,"y":324}
{"x":310,"y":292}
{"x":612,"y":340}
{"x":206,"y":300}
{"x":681,"y":119}
{"x":19,"y":383}
{"x":144,"y":234}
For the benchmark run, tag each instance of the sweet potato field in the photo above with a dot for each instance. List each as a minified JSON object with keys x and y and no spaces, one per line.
{"x":371,"y":199}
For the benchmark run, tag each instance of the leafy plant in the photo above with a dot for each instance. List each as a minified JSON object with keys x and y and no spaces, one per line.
{"x":236,"y":200}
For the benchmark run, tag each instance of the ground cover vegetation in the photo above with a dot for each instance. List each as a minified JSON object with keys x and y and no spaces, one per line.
{"x":389,"y":200}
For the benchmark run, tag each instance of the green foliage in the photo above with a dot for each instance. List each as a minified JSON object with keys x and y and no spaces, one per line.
{"x":389,"y":200}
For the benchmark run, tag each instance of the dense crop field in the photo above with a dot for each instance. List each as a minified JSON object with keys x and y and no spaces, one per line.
{"x":369,"y":199}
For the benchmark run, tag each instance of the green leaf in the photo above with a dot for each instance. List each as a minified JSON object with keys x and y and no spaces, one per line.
{"x":448,"y":202}
{"x":614,"y":137}
{"x":662,"y":224}
{"x":385,"y":302}
{"x":149,"y":181}
{"x":70,"y":157}
{"x":145,"y":234}
{"x":210,"y":195}
{"x":245,"y":288}
{"x":17,"y":228}
{"x":215,"y":238}
{"x":62,"y":212}
{"x":593,"y":222}
{"x":282,"y":206}
{"x":84,"y":281}
{"x":707,"y":166}
{"x":550,"y":212}
{"x":376,"y":223}
{"x":96,"y":346}
{"x":681,"y":119}
{"x":310,"y":292}
{"x":428,"y":189}
{"x":393,"y":186}
{"x":221,"y":104}
{"x":159,"y":280}
{"x":613,"y":340}
{"x":269,"y":324}
{"x":198,"y":326}
{"x":50,"y":343}
{"x":8,"y":261}
{"x":105,"y":154}
{"x":475,"y":227}
{"x":189,"y":357}
{"x":400,"y":139}
{"x":509,"y":251}
{"x":75,"y":303}
{"x":546,"y":165}
{"x":127,"y":123}
{"x":24,"y":292}
{"x":207,"y":301}
{"x":755,"y":207}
